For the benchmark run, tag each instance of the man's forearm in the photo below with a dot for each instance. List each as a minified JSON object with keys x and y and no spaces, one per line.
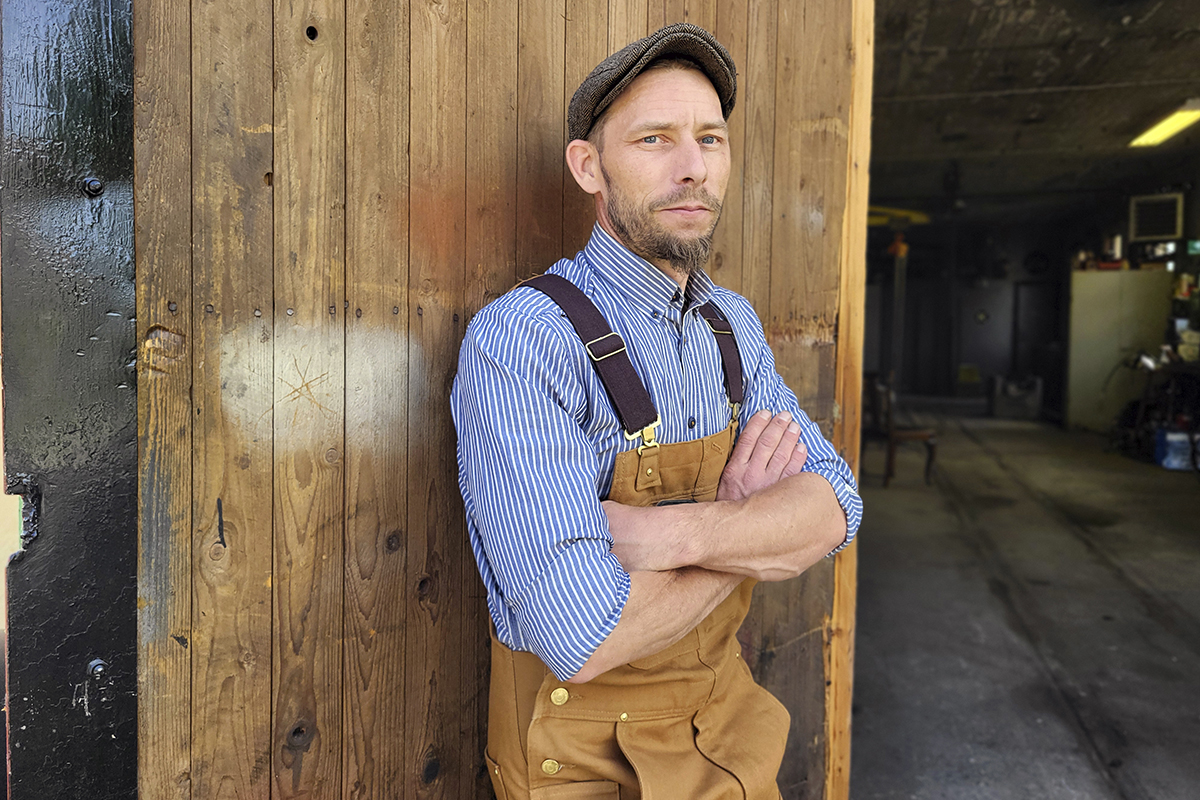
{"x":662,"y":608}
{"x":774,"y":534}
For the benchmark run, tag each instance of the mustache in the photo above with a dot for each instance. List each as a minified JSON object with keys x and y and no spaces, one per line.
{"x":688,"y":194}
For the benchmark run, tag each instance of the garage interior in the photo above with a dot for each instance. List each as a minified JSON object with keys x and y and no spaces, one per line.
{"x":1029,"y":619}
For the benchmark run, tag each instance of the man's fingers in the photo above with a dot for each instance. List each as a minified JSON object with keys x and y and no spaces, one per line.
{"x":796,"y":463}
{"x":769,"y":440}
{"x":783,"y":452}
{"x":749,"y":438}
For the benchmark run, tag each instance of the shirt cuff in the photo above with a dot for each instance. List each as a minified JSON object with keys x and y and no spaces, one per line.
{"x":573,"y":606}
{"x":848,"y":499}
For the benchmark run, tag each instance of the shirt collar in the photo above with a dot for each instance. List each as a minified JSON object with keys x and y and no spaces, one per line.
{"x":642,"y":284}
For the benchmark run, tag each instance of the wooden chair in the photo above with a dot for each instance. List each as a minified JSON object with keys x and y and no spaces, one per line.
{"x":879,"y":405}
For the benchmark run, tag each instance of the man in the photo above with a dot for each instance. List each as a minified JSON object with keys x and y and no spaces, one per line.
{"x":617,"y":527}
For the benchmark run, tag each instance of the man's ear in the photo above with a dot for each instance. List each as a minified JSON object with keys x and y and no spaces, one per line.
{"x":584,"y":162}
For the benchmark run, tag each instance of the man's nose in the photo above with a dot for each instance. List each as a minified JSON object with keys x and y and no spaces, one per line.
{"x":690,"y":165}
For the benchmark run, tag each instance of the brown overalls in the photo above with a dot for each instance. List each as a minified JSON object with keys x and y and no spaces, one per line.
{"x":687,"y":723}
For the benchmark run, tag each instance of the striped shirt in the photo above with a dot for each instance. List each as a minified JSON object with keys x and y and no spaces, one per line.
{"x":538,"y":437}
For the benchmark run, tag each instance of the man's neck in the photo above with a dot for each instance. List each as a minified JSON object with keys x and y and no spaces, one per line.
{"x":662,"y":265}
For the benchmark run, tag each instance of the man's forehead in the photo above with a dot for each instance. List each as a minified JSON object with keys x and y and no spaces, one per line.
{"x":648,"y":98}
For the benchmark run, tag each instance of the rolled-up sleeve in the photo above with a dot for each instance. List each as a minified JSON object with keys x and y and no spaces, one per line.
{"x":528,"y":475}
{"x":766,"y":389}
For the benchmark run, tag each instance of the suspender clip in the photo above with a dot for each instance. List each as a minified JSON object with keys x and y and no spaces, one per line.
{"x":647,"y":435}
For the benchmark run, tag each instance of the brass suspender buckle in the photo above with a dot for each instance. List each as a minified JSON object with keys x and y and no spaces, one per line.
{"x":646,"y":434}
{"x":715,"y":329}
{"x":592,"y":354}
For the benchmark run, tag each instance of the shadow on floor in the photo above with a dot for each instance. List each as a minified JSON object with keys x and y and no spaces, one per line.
{"x":1028,"y":626}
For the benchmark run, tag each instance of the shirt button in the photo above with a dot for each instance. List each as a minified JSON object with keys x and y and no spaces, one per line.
{"x":624,"y":717}
{"x":691,"y":422}
{"x":559,"y":696}
{"x":550,"y":766}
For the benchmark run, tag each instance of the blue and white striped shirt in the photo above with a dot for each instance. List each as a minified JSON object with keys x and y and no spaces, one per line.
{"x":538,"y":437}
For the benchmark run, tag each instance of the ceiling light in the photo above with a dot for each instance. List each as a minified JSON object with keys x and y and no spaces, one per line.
{"x":1178,"y":122}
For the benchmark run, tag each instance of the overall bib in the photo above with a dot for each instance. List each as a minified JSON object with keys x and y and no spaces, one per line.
{"x":688,"y":723}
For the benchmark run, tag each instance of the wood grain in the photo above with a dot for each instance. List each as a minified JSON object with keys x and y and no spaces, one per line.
{"x":847,"y":429}
{"x":541,"y":116}
{"x":162,"y":245}
{"x":233,"y":394}
{"x":587,"y":41}
{"x":726,"y":264}
{"x":627,"y":21}
{"x":437,"y":558}
{"x":491,"y":258}
{"x":758,"y":100}
{"x":376,"y":424}
{"x":309,"y":317}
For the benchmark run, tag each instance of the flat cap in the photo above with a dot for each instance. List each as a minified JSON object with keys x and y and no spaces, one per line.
{"x":609,"y":79}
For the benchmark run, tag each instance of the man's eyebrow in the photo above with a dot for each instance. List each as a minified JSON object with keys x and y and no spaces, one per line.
{"x":647,"y":127}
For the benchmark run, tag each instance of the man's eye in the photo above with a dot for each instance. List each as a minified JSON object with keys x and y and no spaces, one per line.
{"x":708,"y":140}
{"x":650,"y":140}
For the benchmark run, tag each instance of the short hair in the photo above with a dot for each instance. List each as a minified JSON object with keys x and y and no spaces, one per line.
{"x":595,"y":135}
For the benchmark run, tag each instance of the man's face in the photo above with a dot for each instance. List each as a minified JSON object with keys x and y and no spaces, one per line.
{"x":664,"y":158}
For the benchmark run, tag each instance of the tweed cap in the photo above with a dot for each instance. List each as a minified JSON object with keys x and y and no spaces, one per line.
{"x":615,"y":73}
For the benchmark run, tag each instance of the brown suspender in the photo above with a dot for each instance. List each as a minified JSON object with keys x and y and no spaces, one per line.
{"x":611,"y":361}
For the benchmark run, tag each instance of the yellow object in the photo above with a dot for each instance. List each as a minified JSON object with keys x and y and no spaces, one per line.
{"x":550,"y":766}
{"x":624,"y":717}
{"x":559,"y":696}
{"x":1172,"y":126}
{"x":878,"y":216}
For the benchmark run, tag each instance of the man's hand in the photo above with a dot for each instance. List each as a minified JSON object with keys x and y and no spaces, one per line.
{"x":767,"y":451}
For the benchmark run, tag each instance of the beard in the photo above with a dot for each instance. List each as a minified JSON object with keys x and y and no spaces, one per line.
{"x":642,"y":233}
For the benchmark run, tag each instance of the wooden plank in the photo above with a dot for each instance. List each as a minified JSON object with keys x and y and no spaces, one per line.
{"x":726,"y":264}
{"x":587,"y":42}
{"x":233,"y":394}
{"x":309,"y":318}
{"x":697,"y":12}
{"x":542,"y":116}
{"x":656,"y":15}
{"x":491,"y":225}
{"x":758,"y":99}
{"x":162,"y":246}
{"x":627,"y":20}
{"x":491,"y":258}
{"x":436,"y":536}
{"x":851,"y":303}
{"x":808,"y":205}
{"x":702,"y":13}
{"x":377,"y":127}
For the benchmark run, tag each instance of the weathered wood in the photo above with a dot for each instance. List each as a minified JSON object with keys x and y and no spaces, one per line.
{"x":811,"y":116}
{"x":848,"y":423}
{"x":162,"y":246}
{"x":377,"y":128}
{"x":757,"y":98}
{"x":491,"y":258}
{"x":541,"y":114}
{"x":309,"y":414}
{"x":726,"y":265}
{"x":697,"y":12}
{"x":437,"y":559}
{"x":627,"y":20}
{"x":587,"y":42}
{"x":233,"y":396}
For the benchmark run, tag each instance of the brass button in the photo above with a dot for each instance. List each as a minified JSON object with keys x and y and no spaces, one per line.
{"x":497,"y":770}
{"x":649,"y":471}
{"x":550,"y":766}
{"x":624,"y":717}
{"x":559,"y":696}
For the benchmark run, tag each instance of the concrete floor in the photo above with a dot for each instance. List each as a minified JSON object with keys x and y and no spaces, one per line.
{"x":1028,"y":626}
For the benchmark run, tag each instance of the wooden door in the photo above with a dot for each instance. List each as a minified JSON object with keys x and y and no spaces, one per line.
{"x":325,"y":193}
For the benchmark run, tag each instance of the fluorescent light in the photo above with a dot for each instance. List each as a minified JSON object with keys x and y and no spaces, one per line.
{"x":1178,"y":122}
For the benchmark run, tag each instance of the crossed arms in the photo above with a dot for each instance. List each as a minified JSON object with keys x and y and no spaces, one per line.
{"x":770,"y":522}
